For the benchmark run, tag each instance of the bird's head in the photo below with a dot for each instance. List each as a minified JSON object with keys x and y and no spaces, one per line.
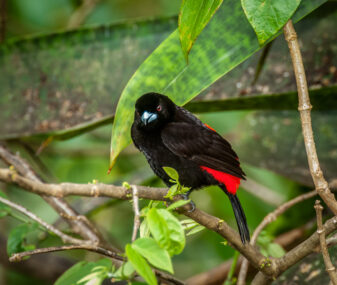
{"x":153,"y":111}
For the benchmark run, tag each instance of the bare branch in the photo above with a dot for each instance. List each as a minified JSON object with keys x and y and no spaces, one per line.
{"x":261,"y":279}
{"x":91,"y":190}
{"x":65,"y":238}
{"x":320,"y":230}
{"x":304,"y":107}
{"x":80,"y":225}
{"x":136,"y":222}
{"x":267,"y":220}
{"x":304,"y":248}
{"x":114,"y":256}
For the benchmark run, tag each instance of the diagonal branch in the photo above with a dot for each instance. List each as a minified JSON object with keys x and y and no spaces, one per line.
{"x":65,"y":238}
{"x":103,"y":251}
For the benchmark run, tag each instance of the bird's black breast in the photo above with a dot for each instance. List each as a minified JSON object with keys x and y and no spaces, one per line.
{"x":158,"y":156}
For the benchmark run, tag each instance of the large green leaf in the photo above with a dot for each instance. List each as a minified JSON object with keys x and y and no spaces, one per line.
{"x":194,"y":16}
{"x":268,"y":16}
{"x":156,"y":255}
{"x":166,"y":230}
{"x":62,"y":81}
{"x":140,"y":264}
{"x":226,"y":41}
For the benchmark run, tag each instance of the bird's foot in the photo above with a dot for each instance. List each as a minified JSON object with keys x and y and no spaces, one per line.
{"x":186,"y":197}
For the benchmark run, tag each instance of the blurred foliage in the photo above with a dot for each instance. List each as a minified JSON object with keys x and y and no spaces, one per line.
{"x":90,"y":67}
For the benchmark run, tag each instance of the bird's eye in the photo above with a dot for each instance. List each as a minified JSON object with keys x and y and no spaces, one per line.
{"x":159,"y":108}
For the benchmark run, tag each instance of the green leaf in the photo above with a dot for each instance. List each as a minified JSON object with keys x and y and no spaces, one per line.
{"x":17,"y":238}
{"x":267,"y":17}
{"x":125,"y":271}
{"x":275,"y":250}
{"x":154,"y":254}
{"x":140,"y":264}
{"x":158,"y":228}
{"x":167,"y":230}
{"x":144,"y":230}
{"x":194,"y":16}
{"x":178,"y":204}
{"x":226,"y":42}
{"x":4,"y":209}
{"x":174,"y":189}
{"x":195,"y":230}
{"x":84,"y":272}
{"x":172,"y":173}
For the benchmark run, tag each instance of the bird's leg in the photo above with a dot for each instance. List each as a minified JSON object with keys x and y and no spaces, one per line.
{"x":186,"y":197}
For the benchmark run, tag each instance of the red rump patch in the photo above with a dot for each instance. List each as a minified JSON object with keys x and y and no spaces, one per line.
{"x":231,"y":182}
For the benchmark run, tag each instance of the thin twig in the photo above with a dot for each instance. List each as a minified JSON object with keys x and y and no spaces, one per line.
{"x":136,"y":222}
{"x":79,"y":16}
{"x":320,"y":230}
{"x":267,"y":220}
{"x":65,"y":238}
{"x":304,"y":107}
{"x":103,"y":251}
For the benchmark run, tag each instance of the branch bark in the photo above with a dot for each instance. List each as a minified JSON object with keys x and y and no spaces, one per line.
{"x":304,"y":107}
{"x":320,"y":230}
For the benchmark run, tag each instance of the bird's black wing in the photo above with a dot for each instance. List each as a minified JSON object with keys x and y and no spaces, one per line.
{"x":201,"y":145}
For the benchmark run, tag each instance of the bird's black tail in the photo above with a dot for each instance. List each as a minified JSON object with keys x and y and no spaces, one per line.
{"x":239,"y":216}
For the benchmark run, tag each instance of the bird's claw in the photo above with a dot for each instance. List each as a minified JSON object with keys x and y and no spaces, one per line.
{"x":186,"y":197}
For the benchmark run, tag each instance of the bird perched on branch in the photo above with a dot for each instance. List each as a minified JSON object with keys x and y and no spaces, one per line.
{"x":169,"y":135}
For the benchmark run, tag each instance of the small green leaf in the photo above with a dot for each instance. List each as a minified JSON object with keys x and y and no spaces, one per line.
{"x":84,"y":272}
{"x":275,"y":250}
{"x":154,"y":254}
{"x":17,"y":238}
{"x":140,"y":264}
{"x":267,"y":17}
{"x":171,"y":172}
{"x":178,"y":204}
{"x":4,"y":209}
{"x":174,"y":189}
{"x":193,"y":18}
{"x":195,"y":230}
{"x":125,"y":271}
{"x":176,"y":232}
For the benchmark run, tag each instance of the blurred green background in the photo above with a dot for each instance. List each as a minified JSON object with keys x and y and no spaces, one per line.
{"x":268,"y":142}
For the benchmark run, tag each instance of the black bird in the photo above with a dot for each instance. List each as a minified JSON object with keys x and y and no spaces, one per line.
{"x":169,"y":135}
